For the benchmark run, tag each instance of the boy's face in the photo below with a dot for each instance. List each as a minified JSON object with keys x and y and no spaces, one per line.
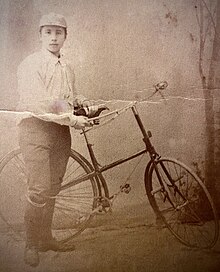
{"x":52,"y":38}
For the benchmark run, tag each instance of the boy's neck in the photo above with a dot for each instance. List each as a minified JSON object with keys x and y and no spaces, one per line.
{"x":57,"y":54}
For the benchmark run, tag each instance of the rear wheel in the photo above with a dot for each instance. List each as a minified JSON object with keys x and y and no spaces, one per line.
{"x":181,"y":200}
{"x":74,"y":204}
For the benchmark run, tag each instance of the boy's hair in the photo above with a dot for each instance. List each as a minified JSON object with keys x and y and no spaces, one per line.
{"x":62,"y":27}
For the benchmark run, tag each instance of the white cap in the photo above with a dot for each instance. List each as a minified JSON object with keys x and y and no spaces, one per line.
{"x":53,"y":19}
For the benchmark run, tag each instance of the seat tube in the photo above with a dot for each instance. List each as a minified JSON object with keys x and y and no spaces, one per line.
{"x":91,"y":152}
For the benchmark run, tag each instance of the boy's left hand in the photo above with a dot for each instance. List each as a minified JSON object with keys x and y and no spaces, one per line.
{"x":81,"y":101}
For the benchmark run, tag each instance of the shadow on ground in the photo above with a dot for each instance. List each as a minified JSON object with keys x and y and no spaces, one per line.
{"x":123,"y":242}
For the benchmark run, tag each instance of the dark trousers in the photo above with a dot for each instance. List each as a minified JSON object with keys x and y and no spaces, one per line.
{"x":45,"y":147}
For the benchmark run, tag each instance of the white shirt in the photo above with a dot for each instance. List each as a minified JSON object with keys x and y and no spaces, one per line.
{"x":44,"y":79}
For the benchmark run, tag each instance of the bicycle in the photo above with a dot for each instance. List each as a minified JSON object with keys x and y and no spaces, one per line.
{"x":177,"y":195}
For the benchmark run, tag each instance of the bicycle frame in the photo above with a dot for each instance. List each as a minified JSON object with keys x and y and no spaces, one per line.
{"x":98,"y":170}
{"x":178,"y":197}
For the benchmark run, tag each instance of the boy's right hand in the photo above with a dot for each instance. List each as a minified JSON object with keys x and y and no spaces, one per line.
{"x":81,"y":122}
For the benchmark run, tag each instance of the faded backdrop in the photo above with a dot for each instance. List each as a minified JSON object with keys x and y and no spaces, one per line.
{"x":120,"y":49}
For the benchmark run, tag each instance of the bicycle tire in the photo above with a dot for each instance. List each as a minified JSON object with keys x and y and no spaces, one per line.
{"x":73,"y":205}
{"x":182,"y":202}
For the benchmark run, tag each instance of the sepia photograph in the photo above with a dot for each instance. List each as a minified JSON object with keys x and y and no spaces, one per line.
{"x":110,"y":135}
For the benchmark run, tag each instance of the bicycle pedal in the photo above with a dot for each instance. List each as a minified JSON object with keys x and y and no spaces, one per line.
{"x":125,"y":188}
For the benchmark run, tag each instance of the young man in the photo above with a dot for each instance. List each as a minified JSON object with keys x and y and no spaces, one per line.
{"x":46,"y":88}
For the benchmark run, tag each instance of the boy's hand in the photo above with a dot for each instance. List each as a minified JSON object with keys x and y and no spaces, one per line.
{"x":81,"y":122}
{"x":83,"y":102}
{"x":79,"y":100}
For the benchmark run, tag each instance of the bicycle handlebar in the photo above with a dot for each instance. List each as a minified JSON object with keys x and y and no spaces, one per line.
{"x":94,"y":115}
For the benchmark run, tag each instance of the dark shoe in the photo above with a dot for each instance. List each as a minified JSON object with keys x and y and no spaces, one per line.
{"x":31,"y":256}
{"x":54,"y":245}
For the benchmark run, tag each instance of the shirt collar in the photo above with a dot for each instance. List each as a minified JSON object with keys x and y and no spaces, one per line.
{"x":53,"y":58}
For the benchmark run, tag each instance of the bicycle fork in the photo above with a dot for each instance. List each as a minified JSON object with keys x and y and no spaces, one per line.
{"x":164,"y":189}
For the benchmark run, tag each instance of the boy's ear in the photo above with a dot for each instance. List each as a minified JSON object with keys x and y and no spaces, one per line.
{"x":40,"y":35}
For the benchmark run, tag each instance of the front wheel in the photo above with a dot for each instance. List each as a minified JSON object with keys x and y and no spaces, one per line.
{"x":180,"y":199}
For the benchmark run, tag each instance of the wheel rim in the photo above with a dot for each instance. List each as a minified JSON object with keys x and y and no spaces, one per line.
{"x":182,"y":208}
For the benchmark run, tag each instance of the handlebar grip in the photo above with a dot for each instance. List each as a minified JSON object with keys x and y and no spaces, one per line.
{"x":89,"y":112}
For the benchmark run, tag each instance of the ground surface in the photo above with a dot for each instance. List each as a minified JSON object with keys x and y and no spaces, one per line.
{"x":124,"y":243}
